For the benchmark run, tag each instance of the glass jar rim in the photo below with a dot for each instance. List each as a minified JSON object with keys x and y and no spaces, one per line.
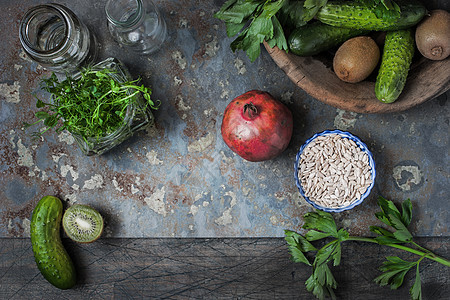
{"x":131,"y":21}
{"x":32,"y":13}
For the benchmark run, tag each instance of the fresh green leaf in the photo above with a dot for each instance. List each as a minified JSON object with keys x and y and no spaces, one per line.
{"x":310,"y":4}
{"x":314,"y":235}
{"x":336,"y":255}
{"x":416,"y":289}
{"x":385,"y":237}
{"x":234,"y":28}
{"x":40,"y":103}
{"x":391,"y":216}
{"x":321,"y":221}
{"x":42,"y":115}
{"x":278,"y":38}
{"x":237,"y":11}
{"x":327,"y":253}
{"x":297,"y":245}
{"x":255,"y":22}
{"x":261,"y":27}
{"x":402,"y":233}
{"x":394,"y":271}
{"x":406,"y":212}
{"x":295,"y":14}
{"x":321,"y":282}
{"x":270,"y":8}
{"x":51,"y":121}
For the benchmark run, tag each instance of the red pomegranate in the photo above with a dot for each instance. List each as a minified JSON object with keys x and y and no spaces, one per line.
{"x":256,"y":126}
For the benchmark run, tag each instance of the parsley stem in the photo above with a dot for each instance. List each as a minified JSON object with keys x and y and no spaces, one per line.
{"x":426,"y":253}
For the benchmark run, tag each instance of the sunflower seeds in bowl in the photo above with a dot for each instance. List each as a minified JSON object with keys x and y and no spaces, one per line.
{"x":334,"y":171}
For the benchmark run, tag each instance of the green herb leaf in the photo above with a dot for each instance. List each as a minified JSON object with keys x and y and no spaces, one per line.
{"x":278,"y":38}
{"x":391,"y":216}
{"x":386,"y":237}
{"x":321,"y":282}
{"x":40,"y":103}
{"x":406,"y":212}
{"x":297,"y":245}
{"x":233,"y":28}
{"x":236,"y":11}
{"x":394,"y":270}
{"x":42,"y":115}
{"x":88,"y":105}
{"x":314,"y":235}
{"x":255,"y":22}
{"x":416,"y":289}
{"x":295,"y":14}
{"x":331,"y":251}
{"x":321,"y":221}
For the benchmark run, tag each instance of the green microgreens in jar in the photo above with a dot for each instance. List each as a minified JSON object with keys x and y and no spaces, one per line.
{"x":92,"y":106}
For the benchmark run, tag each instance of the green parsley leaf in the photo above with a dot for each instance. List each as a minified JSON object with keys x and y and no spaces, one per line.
{"x":394,"y":270}
{"x":321,"y":221}
{"x":297,"y":246}
{"x":255,"y":22}
{"x":314,"y":235}
{"x":321,"y":282}
{"x":385,"y":236}
{"x":234,"y":28}
{"x":278,"y":38}
{"x":406,"y":212}
{"x":416,"y":289}
{"x":391,"y":216}
{"x":236,"y":11}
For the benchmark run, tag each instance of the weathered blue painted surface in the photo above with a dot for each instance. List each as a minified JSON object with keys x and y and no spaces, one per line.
{"x":179,"y":179}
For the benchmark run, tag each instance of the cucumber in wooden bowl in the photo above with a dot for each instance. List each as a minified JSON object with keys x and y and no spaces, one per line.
{"x":314,"y":38}
{"x":364,"y":15}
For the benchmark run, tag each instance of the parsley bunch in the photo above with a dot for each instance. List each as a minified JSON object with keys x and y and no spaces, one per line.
{"x":92,"y":106}
{"x":256,"y":21}
{"x":321,"y":225}
{"x":260,"y":22}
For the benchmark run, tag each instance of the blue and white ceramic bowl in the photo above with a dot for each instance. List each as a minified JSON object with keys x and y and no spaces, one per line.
{"x":363,"y":148}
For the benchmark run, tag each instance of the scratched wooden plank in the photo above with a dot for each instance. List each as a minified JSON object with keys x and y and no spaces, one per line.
{"x":207,"y":269}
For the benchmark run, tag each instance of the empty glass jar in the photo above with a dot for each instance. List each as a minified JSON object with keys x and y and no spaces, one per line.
{"x":137,"y":24}
{"x":53,"y":36}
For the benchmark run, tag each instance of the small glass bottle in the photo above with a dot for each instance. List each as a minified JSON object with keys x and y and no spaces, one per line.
{"x":137,"y":24}
{"x":53,"y":36}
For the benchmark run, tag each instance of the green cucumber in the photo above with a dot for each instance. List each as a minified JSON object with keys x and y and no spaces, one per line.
{"x":50,"y":255}
{"x":397,"y":56}
{"x":360,"y":15}
{"x":313,"y":38}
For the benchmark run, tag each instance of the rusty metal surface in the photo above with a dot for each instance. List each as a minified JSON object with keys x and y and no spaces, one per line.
{"x":179,"y":179}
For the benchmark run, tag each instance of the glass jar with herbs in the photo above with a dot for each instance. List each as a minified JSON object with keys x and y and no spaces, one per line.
{"x":101,"y":106}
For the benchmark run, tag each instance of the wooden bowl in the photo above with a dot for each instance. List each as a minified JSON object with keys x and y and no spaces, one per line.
{"x":426,"y":80}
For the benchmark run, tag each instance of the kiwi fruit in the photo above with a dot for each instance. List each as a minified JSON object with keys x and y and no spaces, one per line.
{"x":82,"y":223}
{"x":356,"y":59}
{"x":433,"y":35}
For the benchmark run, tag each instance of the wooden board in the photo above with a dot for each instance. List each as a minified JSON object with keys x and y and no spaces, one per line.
{"x":426,"y":80}
{"x":242,"y":268}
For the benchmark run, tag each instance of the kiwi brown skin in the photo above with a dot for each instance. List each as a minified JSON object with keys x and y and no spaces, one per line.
{"x":433,"y":35}
{"x":356,"y":59}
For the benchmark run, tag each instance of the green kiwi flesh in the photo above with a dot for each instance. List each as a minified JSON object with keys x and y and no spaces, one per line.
{"x":82,"y":223}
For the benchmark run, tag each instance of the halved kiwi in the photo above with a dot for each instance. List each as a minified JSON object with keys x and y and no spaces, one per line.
{"x":82,"y":223}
